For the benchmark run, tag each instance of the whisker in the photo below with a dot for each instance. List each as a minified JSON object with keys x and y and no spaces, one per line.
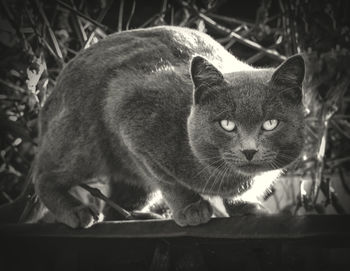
{"x":285,"y":155}
{"x":223,"y":179}
{"x":206,"y":167}
{"x":214,"y":171}
{"x":279,"y":166}
{"x":217,"y":176}
{"x":219,"y":172}
{"x":274,"y":165}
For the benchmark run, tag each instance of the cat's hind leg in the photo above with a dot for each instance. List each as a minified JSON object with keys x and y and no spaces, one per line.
{"x":53,"y":188}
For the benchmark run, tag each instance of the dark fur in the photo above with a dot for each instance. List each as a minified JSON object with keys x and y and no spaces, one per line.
{"x":133,"y":108}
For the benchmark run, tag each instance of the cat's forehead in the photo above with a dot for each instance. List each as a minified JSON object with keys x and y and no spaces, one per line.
{"x":248,"y":94}
{"x":248,"y":86}
{"x":251,"y":81}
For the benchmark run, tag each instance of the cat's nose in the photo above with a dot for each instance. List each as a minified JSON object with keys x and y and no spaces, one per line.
{"x":249,"y":154}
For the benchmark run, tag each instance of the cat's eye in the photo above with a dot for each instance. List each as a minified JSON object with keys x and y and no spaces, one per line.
{"x":227,"y":125}
{"x":269,"y":125}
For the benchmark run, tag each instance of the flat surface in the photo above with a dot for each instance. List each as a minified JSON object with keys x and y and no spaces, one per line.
{"x":236,"y":243}
{"x":239,"y":227}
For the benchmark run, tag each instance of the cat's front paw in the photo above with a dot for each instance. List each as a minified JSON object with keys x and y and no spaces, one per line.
{"x":82,"y":216}
{"x":193,"y":214}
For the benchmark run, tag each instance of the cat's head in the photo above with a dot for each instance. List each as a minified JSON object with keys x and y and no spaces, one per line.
{"x":250,"y":120}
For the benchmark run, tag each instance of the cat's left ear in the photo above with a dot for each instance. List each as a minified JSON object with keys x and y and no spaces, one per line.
{"x":205,"y":77}
{"x":289,"y":76}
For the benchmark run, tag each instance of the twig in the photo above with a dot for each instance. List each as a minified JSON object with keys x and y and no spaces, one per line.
{"x":13,"y":86}
{"x":40,"y":38}
{"x":14,"y":23}
{"x":131,"y":14}
{"x":32,"y":201}
{"x":79,"y":27}
{"x":342,"y":179}
{"x":77,"y":12}
{"x":89,"y":40}
{"x":258,"y":56}
{"x":6,"y":196}
{"x":186,"y":17}
{"x":229,"y":19}
{"x":172,"y":13}
{"x":329,"y":192}
{"x":272,"y":53}
{"x":224,"y":30}
{"x":12,"y":99}
{"x":164,"y":6}
{"x":120,"y":16}
{"x":51,"y":33}
{"x":97,"y":193}
{"x":311,"y":132}
{"x":228,"y":38}
{"x":285,"y":27}
{"x":233,"y":40}
{"x":327,"y":114}
{"x":150,"y":20}
{"x":103,"y":12}
{"x":338,"y":161}
{"x":49,"y":48}
{"x":340,"y":130}
{"x":153,"y":18}
{"x":72,"y":51}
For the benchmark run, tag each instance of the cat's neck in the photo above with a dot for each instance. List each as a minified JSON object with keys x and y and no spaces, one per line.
{"x":226,"y":182}
{"x":223,"y":181}
{"x":260,"y":185}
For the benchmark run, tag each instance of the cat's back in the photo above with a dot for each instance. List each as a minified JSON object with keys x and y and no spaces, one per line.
{"x":140,"y":50}
{"x":133,"y":55}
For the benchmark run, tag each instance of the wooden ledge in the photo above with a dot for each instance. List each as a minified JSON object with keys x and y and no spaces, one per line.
{"x":239,"y":227}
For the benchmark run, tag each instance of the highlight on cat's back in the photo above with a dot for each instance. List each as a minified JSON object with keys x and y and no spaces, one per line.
{"x":167,"y":109}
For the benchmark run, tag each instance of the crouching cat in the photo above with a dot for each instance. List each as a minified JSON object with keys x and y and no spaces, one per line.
{"x":169,"y":109}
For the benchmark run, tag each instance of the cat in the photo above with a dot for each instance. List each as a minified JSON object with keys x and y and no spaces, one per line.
{"x":167,"y":108}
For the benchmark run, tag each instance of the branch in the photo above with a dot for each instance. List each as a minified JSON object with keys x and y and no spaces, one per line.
{"x":120,"y":17}
{"x":229,"y":19}
{"x":13,"y":86}
{"x":51,"y":33}
{"x":77,"y":12}
{"x":226,"y":31}
{"x":97,"y":193}
{"x":128,"y":215}
{"x":222,"y":29}
{"x":131,"y":15}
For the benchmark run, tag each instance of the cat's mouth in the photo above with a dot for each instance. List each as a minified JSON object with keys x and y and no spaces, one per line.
{"x":250,"y":168}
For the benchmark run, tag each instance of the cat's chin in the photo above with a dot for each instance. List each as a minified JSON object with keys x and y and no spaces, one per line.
{"x":250,"y":170}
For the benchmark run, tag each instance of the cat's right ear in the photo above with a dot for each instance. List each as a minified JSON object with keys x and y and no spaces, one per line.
{"x":288,"y":78}
{"x":290,"y":72}
{"x":205,"y":77}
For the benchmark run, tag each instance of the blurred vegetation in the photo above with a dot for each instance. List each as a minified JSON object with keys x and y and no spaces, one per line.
{"x":37,"y":38}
